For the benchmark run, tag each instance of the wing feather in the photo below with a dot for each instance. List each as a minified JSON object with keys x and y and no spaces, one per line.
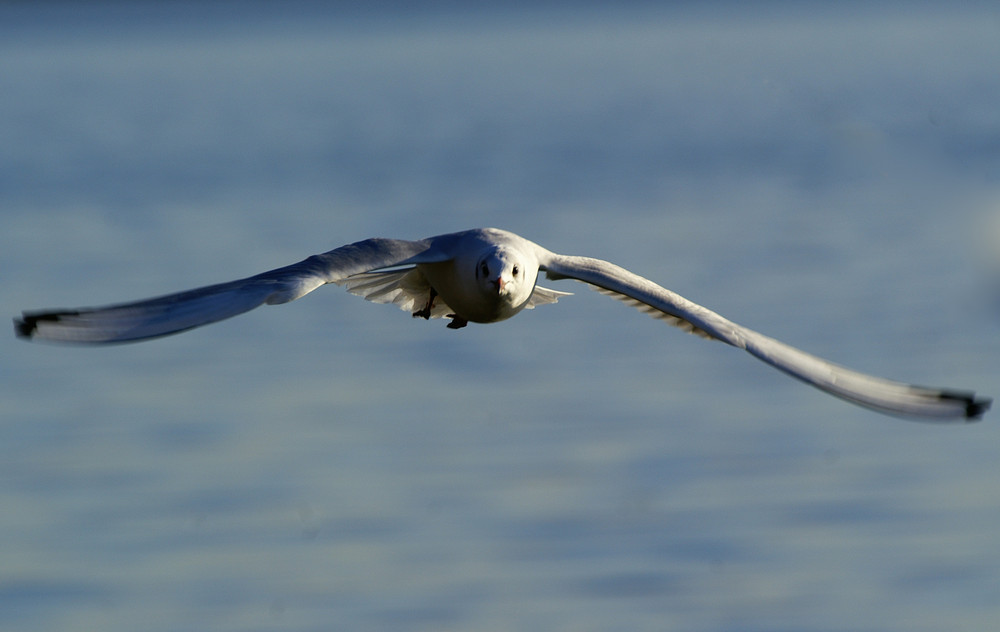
{"x":659,"y":314}
{"x":544,"y":296}
{"x":408,"y":288}
{"x":887,"y":396}
{"x":174,"y":313}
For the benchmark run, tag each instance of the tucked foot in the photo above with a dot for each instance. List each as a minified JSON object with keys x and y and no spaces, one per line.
{"x":457,"y":322}
{"x":425,"y":313}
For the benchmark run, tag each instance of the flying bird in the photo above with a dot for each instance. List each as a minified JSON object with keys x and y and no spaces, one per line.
{"x":483,"y":275}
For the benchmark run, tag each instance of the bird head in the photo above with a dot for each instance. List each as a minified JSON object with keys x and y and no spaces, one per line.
{"x":506,"y":274}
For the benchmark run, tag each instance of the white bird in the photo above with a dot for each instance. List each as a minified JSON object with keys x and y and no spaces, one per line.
{"x":483,"y":275}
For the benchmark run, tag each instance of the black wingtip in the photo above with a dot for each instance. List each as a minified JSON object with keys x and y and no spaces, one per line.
{"x":25,"y":328}
{"x":974,"y":406}
{"x":27,"y":325}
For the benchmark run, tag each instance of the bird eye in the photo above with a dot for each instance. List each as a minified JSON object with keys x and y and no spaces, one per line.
{"x":515,"y":270}
{"x":484,"y":269}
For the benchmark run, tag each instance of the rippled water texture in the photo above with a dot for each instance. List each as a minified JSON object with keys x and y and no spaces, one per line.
{"x":827,"y":176}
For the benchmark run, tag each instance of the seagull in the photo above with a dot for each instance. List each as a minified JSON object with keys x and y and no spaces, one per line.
{"x":484,"y":275}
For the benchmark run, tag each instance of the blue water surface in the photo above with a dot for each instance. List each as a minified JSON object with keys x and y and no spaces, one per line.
{"x":827,"y":174}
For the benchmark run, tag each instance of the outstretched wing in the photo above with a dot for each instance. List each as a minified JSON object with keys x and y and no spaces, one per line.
{"x":887,"y":396}
{"x":173,"y":313}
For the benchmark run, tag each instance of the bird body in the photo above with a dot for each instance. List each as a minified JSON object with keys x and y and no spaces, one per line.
{"x":482,"y":275}
{"x":489,"y":277}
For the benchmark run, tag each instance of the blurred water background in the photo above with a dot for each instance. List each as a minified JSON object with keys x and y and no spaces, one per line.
{"x":826,"y":173}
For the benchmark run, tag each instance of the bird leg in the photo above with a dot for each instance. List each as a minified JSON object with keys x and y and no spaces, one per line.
{"x":457,"y":322}
{"x":425,"y":313}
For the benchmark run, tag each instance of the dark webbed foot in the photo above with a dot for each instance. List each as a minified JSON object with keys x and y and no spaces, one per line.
{"x":457,"y":322}
{"x":425,"y":313}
